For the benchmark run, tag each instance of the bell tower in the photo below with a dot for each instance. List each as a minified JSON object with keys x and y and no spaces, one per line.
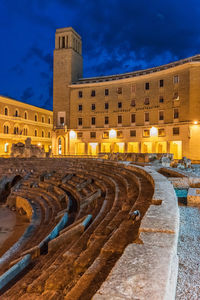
{"x":67,"y":68}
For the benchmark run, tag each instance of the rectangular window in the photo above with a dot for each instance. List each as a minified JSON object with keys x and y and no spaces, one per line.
{"x":146,"y":117}
{"x":93,"y":93}
{"x":80,"y":94}
{"x":80,"y":121}
{"x":133,"y":102}
{"x":147,"y":86}
{"x":80,"y":107}
{"x":119,"y":90}
{"x":93,"y":135}
{"x":161,"y":115}
{"x":119,"y":134}
{"x":146,"y":101}
{"x":119,"y":121}
{"x":93,"y":106}
{"x":176,"y":79}
{"x":176,"y":96}
{"x":106,"y":121}
{"x":161,"y":82}
{"x":105,"y":135}
{"x":62,"y":120}
{"x":106,"y":92}
{"x":106,"y":105}
{"x":161,"y":99}
{"x":133,"y":133}
{"x":176,"y":131}
{"x":93,"y":121}
{"x":176,"y":113}
{"x":133,"y":118}
{"x":79,"y":135}
{"x":119,"y":104}
{"x":133,"y":88}
{"x":161,"y":132}
{"x":146,"y":133}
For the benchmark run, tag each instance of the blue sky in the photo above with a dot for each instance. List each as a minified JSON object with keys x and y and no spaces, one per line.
{"x":118,"y":36}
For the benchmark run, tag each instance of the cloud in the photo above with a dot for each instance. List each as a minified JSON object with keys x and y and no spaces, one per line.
{"x":27,"y":94}
{"x":35,"y":52}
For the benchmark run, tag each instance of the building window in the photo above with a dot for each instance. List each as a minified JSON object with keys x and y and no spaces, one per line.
{"x":133,"y":133}
{"x":62,"y":120}
{"x":106,"y":92}
{"x":63,"y":42}
{"x":49,"y":134}
{"x":80,"y":121}
{"x":25,"y":115}
{"x":16,"y":113}
{"x":6,"y":111}
{"x":79,"y":135}
{"x":6,"y":129}
{"x":161,"y":82}
{"x":176,"y":96}
{"x":106,"y":105}
{"x":119,"y":90}
{"x":36,"y":132}
{"x":147,"y":86}
{"x":119,"y":120}
{"x":161,"y":99}
{"x":42,"y":133}
{"x":16,"y":130}
{"x":105,"y":135}
{"x":176,"y":79}
{"x":49,"y":120}
{"x":93,"y":93}
{"x":119,"y":134}
{"x":36,"y":118}
{"x":93,"y":121}
{"x":133,"y":102}
{"x":146,"y":133}
{"x":80,"y":94}
{"x":93,"y":106}
{"x":93,"y":135}
{"x":176,"y":131}
{"x":106,"y":120}
{"x":146,"y":117}
{"x":146,"y":101}
{"x":80,"y":107}
{"x":119,"y":104}
{"x":25,"y":131}
{"x":42,"y":119}
{"x":176,"y":113}
{"x":161,"y":115}
{"x":161,"y":132}
{"x":133,"y":118}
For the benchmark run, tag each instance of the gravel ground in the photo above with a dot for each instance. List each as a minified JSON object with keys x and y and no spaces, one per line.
{"x":188,"y":285}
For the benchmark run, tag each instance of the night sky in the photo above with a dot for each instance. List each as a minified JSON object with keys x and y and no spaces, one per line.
{"x":118,"y":36}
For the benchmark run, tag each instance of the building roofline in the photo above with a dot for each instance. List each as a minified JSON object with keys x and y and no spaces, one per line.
{"x":195,"y":58}
{"x":30,"y":106}
{"x":67,"y":29}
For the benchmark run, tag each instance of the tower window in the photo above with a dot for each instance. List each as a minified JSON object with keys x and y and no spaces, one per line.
{"x":119,"y":119}
{"x":106,"y":120}
{"x":80,"y":107}
{"x":146,"y":117}
{"x":161,"y":82}
{"x":133,"y":102}
{"x":119,"y":90}
{"x":176,"y":113}
{"x":176,"y":79}
{"x":119,"y":104}
{"x":133,"y":118}
{"x":80,"y":121}
{"x":161,"y":99}
{"x":161,"y":115}
{"x":62,"y":121}
{"x":93,"y":121}
{"x":93,"y":106}
{"x":93,"y":93}
{"x":147,"y":86}
{"x":106,"y":105}
{"x":80,"y":94}
{"x":106,"y":92}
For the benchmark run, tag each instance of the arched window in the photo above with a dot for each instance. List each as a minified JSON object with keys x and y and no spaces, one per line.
{"x":25,"y":115}
{"x":16,"y":130}
{"x":6,"y":111}
{"x":49,"y":134}
{"x":42,"y":119}
{"x":42,"y":133}
{"x":36,"y":132}
{"x":16,"y":113}
{"x":6,"y":129}
{"x":36,"y":118}
{"x":25,"y":131}
{"x":49,"y":120}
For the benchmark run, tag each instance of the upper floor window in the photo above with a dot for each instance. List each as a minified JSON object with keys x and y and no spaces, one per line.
{"x":146,"y":132}
{"x":176,"y":113}
{"x":16,"y":113}
{"x":62,"y":121}
{"x":93,"y":135}
{"x":161,"y":132}
{"x":6,"y":111}
{"x":42,"y":119}
{"x":176,"y":96}
{"x":176,"y":79}
{"x":161,"y":83}
{"x":42,"y":133}
{"x":36,"y":118}
{"x":80,"y":121}
{"x":80,"y":107}
{"x":93,"y":106}
{"x":16,"y":130}
{"x":119,"y":134}
{"x":146,"y":117}
{"x":119,"y":104}
{"x":49,"y":134}
{"x":133,"y":118}
{"x":80,"y":94}
{"x":161,"y":115}
{"x":105,"y":135}
{"x":36,"y":133}
{"x":161,"y":99}
{"x":25,"y":131}
{"x":93,"y":93}
{"x":147,"y":86}
{"x":176,"y":131}
{"x":25,"y":115}
{"x":6,"y":129}
{"x":106,"y":92}
{"x":119,"y":120}
{"x":133,"y":102}
{"x":119,"y":90}
{"x":132,"y":133}
{"x":49,"y":120}
{"x":79,"y":135}
{"x":93,"y":120}
{"x":146,"y":101}
{"x":106,"y":120}
{"x":106,"y":105}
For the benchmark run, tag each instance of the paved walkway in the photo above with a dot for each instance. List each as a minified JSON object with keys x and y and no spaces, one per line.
{"x":188,"y":285}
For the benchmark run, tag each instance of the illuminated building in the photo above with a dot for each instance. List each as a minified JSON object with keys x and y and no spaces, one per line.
{"x":150,"y":111}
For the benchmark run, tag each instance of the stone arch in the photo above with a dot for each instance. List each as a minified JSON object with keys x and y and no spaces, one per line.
{"x":60,"y":145}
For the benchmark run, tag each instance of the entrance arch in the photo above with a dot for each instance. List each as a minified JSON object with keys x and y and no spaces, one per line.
{"x":61,"y":145}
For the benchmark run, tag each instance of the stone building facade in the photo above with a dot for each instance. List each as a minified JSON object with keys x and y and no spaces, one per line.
{"x":150,"y":111}
{"x":19,"y":120}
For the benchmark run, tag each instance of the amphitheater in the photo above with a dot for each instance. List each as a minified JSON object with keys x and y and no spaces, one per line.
{"x":75,"y":237}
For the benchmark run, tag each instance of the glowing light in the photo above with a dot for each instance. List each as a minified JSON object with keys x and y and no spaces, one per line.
{"x":93,"y":145}
{"x":195,"y":122}
{"x":153,"y":131}
{"x":39,"y":144}
{"x":112,"y":134}
{"x":72,"y":135}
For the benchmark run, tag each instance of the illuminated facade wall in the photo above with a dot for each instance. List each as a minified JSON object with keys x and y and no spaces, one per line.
{"x":20,"y":120}
{"x":166,"y":98}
